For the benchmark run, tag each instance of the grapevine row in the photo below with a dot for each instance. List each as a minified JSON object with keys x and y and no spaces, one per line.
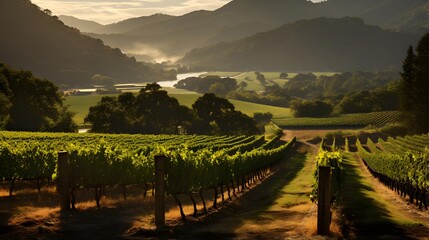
{"x":405,"y":173}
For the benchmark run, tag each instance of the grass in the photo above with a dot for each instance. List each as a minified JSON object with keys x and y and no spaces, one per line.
{"x":280,"y":205}
{"x":370,"y":213}
{"x":297,"y":191}
{"x":221,"y":74}
{"x":81,"y":104}
{"x":254,"y":84}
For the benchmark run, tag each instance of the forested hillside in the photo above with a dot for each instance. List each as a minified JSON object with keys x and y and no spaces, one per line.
{"x":321,"y":44}
{"x":35,"y":41}
{"x":175,"y":36}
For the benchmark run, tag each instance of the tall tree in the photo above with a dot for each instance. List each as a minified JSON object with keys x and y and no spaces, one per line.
{"x":31,"y":104}
{"x":414,"y":88}
{"x":218,"y":116}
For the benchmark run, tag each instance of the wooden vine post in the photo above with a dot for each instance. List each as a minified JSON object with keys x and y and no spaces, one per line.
{"x":324,"y":201}
{"x":159,"y":191}
{"x":63,"y":183}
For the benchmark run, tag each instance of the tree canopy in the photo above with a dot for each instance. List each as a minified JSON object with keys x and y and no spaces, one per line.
{"x":31,"y":104}
{"x":209,"y":84}
{"x":153,"y":111}
{"x":414,"y":88}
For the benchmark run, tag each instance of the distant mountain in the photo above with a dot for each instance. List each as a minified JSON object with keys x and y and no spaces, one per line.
{"x":131,"y":24}
{"x":241,"y":18}
{"x":322,"y":44}
{"x":31,"y":39}
{"x":82,"y":25}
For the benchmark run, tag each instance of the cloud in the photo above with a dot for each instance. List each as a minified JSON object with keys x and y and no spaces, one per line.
{"x":108,"y":11}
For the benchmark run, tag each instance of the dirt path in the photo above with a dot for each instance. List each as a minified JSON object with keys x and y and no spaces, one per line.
{"x":372,"y":211}
{"x":278,"y":208}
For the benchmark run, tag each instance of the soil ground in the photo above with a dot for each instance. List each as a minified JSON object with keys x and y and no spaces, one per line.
{"x":276,"y":208}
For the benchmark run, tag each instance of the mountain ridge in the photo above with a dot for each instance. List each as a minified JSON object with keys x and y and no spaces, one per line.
{"x":321,"y":44}
{"x":181,"y":34}
{"x":44,"y":45}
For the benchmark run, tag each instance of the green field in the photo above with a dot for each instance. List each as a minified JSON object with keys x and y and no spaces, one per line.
{"x":357,"y":120}
{"x":254,"y":85}
{"x":81,"y":104}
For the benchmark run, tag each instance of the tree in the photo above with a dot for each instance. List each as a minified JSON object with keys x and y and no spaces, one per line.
{"x":283,"y":75}
{"x":309,"y":108}
{"x":107,"y":117}
{"x":152,"y":87}
{"x":218,"y":116}
{"x":5,"y":106}
{"x":209,"y":107}
{"x":218,"y":89}
{"x":414,"y":88}
{"x":208,"y":84}
{"x":162,"y":113}
{"x":31,"y":104}
{"x":47,"y":11}
{"x":261,"y":78}
{"x":242,"y":85}
{"x":357,"y":102}
{"x":152,"y":111}
{"x":262,"y":117}
{"x":236,"y":123}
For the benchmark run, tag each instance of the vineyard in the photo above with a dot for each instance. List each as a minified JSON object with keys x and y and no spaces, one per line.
{"x":401,"y":164}
{"x":351,"y":121}
{"x":195,"y":163}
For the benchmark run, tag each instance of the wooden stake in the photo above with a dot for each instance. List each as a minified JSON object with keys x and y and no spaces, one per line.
{"x":63,"y":184}
{"x":159,"y":191}
{"x":324,"y":201}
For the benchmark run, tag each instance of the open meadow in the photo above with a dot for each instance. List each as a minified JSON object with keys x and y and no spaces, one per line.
{"x":81,"y":104}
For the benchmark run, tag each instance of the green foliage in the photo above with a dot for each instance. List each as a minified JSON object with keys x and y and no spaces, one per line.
{"x":151,"y":111}
{"x":328,"y":159}
{"x":218,"y":115}
{"x":414,"y":97}
{"x":31,"y":104}
{"x":194,"y":162}
{"x":209,"y":84}
{"x":283,"y":75}
{"x":262,"y":117}
{"x":409,"y":167}
{"x":358,"y":120}
{"x":381,"y":99}
{"x":309,"y":108}
{"x":260,"y":77}
{"x":272,"y":131}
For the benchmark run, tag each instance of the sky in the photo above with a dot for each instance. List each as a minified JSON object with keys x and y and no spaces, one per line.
{"x":109,"y":11}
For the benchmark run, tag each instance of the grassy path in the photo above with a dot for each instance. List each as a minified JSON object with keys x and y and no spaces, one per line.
{"x":371,"y":211}
{"x":278,"y":207}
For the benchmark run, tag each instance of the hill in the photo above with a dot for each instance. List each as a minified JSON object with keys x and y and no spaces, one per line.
{"x":321,"y":44}
{"x":36,"y":41}
{"x":242,"y":18}
{"x":82,"y":25}
{"x":132,"y":23}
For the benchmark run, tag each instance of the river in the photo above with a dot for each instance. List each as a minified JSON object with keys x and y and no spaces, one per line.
{"x":179,"y":77}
